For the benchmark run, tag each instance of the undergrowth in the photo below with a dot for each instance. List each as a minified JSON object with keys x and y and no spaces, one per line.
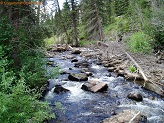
{"x":138,"y":42}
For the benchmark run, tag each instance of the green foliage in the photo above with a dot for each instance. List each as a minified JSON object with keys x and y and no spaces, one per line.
{"x":132,"y":69}
{"x":119,"y":27}
{"x":18,"y":103}
{"x":49,"y":41}
{"x":23,"y":75}
{"x":91,"y":19}
{"x":21,"y":104}
{"x":121,"y":7}
{"x":157,"y":24}
{"x":139,"y":43}
{"x":83,"y":43}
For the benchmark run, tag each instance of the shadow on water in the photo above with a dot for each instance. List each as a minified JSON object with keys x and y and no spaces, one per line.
{"x":79,"y":106}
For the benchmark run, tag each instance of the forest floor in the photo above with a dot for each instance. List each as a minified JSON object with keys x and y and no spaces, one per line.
{"x":148,"y":62}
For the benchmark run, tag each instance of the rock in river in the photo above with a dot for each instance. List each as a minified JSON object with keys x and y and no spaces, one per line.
{"x":94,"y":86}
{"x":126,"y":116}
{"x":135,"y":96}
{"x":82,"y":64}
{"x":76,"y":51}
{"x":78,"y":77}
{"x":74,"y":60}
{"x":59,"y":89}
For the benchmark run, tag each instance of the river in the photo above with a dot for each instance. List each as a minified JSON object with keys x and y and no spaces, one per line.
{"x":79,"y":106}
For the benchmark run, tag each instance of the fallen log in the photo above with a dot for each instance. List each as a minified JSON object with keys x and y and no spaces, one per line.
{"x":147,"y":83}
{"x":141,"y":72}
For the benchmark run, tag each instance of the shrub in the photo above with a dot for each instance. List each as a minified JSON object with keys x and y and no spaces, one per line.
{"x":132,"y":69}
{"x":83,"y":43}
{"x":139,"y":43}
{"x":18,"y":103}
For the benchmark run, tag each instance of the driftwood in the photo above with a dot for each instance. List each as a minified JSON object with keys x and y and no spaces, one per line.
{"x":134,"y":117}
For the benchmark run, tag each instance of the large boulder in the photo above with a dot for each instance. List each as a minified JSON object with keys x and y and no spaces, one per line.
{"x":135,"y":96}
{"x":59,"y":89}
{"x":94,"y":86}
{"x":78,"y":77}
{"x":126,"y":116}
{"x":76,"y":51}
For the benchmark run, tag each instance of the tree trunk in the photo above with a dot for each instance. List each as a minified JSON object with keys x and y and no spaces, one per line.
{"x":61,"y":18}
{"x":101,"y":35}
{"x":74,"y":17}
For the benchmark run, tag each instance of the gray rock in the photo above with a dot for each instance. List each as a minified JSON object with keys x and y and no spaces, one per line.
{"x":69,"y":56}
{"x":76,"y":51}
{"x":59,"y":89}
{"x":78,"y":77}
{"x":83,"y":70}
{"x":126,"y":116}
{"x":82,"y":64}
{"x":74,"y":60}
{"x":135,"y":96}
{"x":111,"y":69}
{"x":89,"y":73}
{"x":94,"y":86}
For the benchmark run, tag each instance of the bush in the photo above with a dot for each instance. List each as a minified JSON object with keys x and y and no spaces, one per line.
{"x":21,"y":104}
{"x":18,"y":103}
{"x":139,"y":43}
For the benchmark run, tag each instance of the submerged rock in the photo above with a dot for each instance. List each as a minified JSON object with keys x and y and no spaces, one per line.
{"x":94,"y":86}
{"x":126,"y":116}
{"x":59,"y":89}
{"x":135,"y":96}
{"x":78,"y":77}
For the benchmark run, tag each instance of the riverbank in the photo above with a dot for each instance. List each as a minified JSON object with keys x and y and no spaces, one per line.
{"x":114,"y":57}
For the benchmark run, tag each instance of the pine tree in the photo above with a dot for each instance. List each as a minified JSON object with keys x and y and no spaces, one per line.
{"x":91,"y":19}
{"x":74,"y":15}
{"x":61,"y":19}
{"x":121,"y":7}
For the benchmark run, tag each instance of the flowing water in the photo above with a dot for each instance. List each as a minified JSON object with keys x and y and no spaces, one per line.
{"x":79,"y":106}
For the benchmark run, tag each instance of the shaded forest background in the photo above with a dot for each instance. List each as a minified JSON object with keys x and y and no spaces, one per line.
{"x":24,"y":28}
